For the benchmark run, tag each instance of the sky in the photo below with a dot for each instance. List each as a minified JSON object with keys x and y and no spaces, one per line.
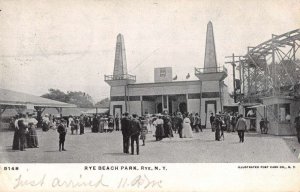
{"x":70,"y":45}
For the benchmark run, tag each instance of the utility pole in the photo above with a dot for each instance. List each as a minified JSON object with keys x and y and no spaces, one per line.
{"x":233,"y":63}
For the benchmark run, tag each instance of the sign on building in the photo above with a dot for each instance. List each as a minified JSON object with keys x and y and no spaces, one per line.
{"x":163,"y":74}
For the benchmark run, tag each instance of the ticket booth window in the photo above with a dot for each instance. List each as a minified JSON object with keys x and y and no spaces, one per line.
{"x":284,"y":112}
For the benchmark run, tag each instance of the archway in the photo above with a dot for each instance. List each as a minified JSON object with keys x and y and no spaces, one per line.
{"x":182,"y":107}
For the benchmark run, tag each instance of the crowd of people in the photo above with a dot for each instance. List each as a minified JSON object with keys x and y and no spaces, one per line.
{"x":229,"y":122}
{"x":105,"y":123}
{"x":133,"y":127}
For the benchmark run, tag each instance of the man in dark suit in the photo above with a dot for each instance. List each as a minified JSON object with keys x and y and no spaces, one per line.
{"x":62,"y":130}
{"x":218,"y":124}
{"x":135,"y":129}
{"x":125,"y":123}
{"x":179,"y":124}
{"x":212,"y":119}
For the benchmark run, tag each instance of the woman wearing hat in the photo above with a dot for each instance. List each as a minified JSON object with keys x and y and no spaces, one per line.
{"x":46,"y":122}
{"x":186,"y":128}
{"x":32,"y":140}
{"x":159,"y":132}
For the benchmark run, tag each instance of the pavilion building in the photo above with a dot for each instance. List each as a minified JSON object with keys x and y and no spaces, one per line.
{"x":206,"y":95}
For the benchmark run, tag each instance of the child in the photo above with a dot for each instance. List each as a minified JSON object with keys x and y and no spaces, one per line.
{"x":62,"y":130}
{"x":144,"y":131}
{"x":105,"y":125}
{"x":110,"y":124}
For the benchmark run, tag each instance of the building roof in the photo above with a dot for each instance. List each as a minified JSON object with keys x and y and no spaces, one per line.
{"x":65,"y":112}
{"x":14,"y":98}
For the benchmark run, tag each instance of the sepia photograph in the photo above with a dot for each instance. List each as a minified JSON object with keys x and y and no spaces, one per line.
{"x":151,"y":81}
{"x":132,"y":95}
{"x":152,"y":95}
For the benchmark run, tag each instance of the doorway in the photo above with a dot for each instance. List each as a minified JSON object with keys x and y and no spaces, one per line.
{"x":117,"y":110}
{"x":210,"y":107}
{"x":159,"y":108}
{"x":182,"y":107}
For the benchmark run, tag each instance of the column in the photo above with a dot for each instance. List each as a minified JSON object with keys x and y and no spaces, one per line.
{"x":165,"y":103}
{"x":187,"y":102}
{"x":142,"y":110}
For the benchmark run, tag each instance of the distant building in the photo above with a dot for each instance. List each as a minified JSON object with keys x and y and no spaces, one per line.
{"x":206,"y":95}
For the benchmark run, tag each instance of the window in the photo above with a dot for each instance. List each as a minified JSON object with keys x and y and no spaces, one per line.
{"x":279,"y":112}
{"x":284,"y":112}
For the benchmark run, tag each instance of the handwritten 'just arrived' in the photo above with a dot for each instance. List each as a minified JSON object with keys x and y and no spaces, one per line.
{"x":139,"y":181}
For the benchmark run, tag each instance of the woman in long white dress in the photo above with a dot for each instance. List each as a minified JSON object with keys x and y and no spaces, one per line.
{"x":186,"y":128}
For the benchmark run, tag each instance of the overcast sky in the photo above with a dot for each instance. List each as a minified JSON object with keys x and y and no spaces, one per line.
{"x":70,"y":45}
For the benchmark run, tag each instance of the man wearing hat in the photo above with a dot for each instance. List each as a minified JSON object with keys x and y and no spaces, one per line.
{"x":62,"y":130}
{"x":125,"y":123}
{"x":217,"y":123}
{"x":179,"y":124}
{"x":135,"y":129}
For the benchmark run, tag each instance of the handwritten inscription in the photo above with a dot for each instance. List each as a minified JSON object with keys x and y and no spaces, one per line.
{"x":57,"y":182}
{"x":21,"y":182}
{"x":139,"y":181}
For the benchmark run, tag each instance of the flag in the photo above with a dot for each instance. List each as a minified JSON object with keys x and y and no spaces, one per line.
{"x":175,"y":78}
{"x":188,"y":76}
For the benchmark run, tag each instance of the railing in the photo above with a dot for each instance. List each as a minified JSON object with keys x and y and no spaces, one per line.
{"x":210,"y":70}
{"x":119,"y":77}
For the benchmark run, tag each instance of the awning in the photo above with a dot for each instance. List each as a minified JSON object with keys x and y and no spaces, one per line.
{"x":14,"y":98}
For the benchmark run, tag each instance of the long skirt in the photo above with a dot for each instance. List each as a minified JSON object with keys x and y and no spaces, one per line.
{"x":168,"y":130}
{"x":95,"y":128}
{"x":144,"y":133}
{"x":74,"y":128}
{"x":27,"y":140}
{"x":81,"y":128}
{"x":32,"y":139}
{"x":101,"y":127}
{"x":16,"y":140}
{"x":149,"y":127}
{"x":187,"y":131}
{"x":105,"y":127}
{"x":45,"y":126}
{"x":159,"y":133}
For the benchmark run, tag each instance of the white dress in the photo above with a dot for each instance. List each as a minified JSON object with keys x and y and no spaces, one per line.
{"x":186,"y":129}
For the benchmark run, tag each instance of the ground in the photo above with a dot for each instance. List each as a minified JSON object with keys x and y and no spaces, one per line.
{"x":107,"y":148}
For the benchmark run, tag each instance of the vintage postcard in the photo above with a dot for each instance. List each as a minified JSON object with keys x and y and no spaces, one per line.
{"x":154,"y":95}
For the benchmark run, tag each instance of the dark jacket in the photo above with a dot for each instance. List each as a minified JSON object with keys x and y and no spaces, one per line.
{"x":125,"y":123}
{"x":241,"y":124}
{"x":61,"y":129}
{"x":218,"y":123}
{"x":211,"y":119}
{"x":22,"y":126}
{"x":179,"y":122}
{"x":135,"y":127}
